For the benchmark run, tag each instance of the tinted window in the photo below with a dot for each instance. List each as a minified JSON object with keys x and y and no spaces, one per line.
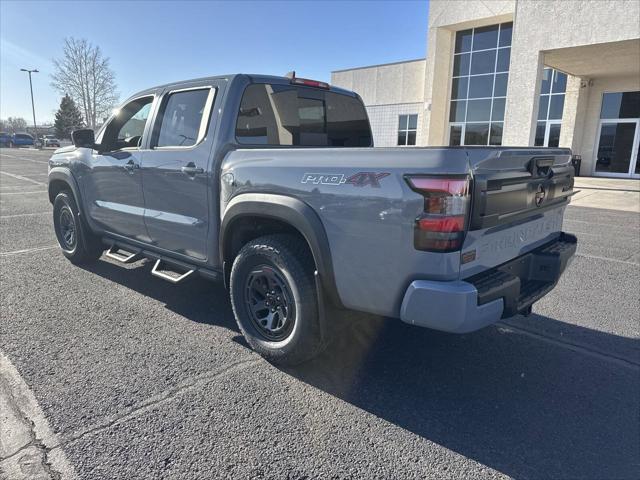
{"x":480,"y":86}
{"x":134,"y":127}
{"x":555,"y":107}
{"x":290,"y":115}
{"x":498,"y":109}
{"x":126,"y":127}
{"x":505,"y":34}
{"x":476,"y":134}
{"x":23,"y":136}
{"x":485,"y":37}
{"x":478,"y":110}
{"x":407,"y":129}
{"x":459,"y":88}
{"x":621,"y":105}
{"x":455,"y":135}
{"x":483,"y":62}
{"x":181,"y":117}
{"x":457,"y":111}
{"x":463,"y":41}
{"x":461,"y":64}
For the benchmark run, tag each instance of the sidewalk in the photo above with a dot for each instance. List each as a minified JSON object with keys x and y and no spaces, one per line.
{"x":609,"y":193}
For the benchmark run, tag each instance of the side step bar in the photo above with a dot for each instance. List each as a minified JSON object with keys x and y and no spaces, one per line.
{"x":114,"y":253}
{"x":169,"y":269}
{"x":169,"y":274}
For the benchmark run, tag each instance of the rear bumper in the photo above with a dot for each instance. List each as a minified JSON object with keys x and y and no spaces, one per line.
{"x":466,"y":305}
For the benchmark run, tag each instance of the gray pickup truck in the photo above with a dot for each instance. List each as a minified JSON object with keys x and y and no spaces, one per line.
{"x":270,"y":185}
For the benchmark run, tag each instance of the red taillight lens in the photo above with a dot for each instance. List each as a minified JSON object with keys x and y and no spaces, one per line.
{"x":441,"y":226}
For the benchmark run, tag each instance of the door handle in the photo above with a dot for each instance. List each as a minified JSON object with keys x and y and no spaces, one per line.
{"x":191,"y":169}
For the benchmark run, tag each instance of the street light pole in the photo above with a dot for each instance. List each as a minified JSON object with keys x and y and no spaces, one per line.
{"x":33,"y":107}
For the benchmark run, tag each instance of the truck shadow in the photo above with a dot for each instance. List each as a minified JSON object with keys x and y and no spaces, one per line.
{"x":524,"y":404}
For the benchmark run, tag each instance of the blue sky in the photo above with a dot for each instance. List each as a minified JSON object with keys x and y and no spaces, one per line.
{"x":151,"y":43}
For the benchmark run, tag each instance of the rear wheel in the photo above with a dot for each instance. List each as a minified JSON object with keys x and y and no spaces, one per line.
{"x":274,"y":299}
{"x":77,"y":242}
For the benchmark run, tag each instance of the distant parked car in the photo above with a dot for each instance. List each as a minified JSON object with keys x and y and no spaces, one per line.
{"x":50,"y":141}
{"x":22,"y":140}
{"x":5,"y":139}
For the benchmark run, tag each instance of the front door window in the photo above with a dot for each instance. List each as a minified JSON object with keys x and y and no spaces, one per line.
{"x":619,"y":135}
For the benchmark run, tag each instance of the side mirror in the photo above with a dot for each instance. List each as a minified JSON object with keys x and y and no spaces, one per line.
{"x":83,"y":138}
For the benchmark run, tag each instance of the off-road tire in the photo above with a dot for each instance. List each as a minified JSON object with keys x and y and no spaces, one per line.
{"x":289,"y":257}
{"x":84,"y":247}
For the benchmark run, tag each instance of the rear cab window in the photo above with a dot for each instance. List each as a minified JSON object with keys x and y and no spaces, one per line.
{"x":289,"y":115}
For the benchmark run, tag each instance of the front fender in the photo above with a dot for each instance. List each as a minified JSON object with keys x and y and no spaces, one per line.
{"x":293,"y":212}
{"x":63,"y":174}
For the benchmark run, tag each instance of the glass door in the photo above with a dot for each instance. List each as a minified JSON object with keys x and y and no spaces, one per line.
{"x":617,"y":150}
{"x":552,"y":133}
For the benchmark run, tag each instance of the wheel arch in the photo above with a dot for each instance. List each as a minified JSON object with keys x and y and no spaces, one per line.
{"x":249,"y":215}
{"x":60,"y":179}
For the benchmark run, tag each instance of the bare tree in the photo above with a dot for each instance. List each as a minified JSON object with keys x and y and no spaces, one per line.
{"x":14,"y":124}
{"x":85,"y":75}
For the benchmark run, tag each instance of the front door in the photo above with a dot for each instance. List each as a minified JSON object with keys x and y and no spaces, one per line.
{"x":112,"y":185}
{"x":617,"y":150}
{"x":175,"y":171}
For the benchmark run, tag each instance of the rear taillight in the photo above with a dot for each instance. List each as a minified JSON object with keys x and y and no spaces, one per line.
{"x":441,"y":226}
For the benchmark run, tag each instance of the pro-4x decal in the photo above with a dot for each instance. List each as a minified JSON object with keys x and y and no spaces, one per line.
{"x":360,"y":179}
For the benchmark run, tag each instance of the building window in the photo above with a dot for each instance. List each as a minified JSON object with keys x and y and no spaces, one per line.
{"x":550,"y":106}
{"x":407,"y":129}
{"x":479,"y":85}
{"x":618,"y":147}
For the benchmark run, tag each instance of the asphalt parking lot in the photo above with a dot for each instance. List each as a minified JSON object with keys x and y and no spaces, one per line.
{"x":138,"y":378}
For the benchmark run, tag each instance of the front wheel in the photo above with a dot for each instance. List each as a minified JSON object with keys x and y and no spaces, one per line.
{"x":274,"y":299}
{"x":78,"y":244}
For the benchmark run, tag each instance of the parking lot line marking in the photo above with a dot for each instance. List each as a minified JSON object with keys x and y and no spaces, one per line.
{"x":600,"y":223}
{"x":24,"y":158}
{"x":599,"y":354}
{"x":20,"y":177}
{"x":27,"y":250}
{"x":26,"y":404}
{"x":620,"y":236}
{"x":22,"y":193}
{"x":596,"y":257}
{"x":13,"y":187}
{"x":24,"y":215}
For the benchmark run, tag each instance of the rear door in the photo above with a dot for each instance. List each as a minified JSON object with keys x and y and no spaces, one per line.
{"x":518,"y":202}
{"x":175,"y":170}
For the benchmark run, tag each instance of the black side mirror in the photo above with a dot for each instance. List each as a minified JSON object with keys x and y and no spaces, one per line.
{"x":83,"y":138}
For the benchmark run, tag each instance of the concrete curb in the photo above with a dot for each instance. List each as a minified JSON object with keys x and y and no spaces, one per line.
{"x":28,"y":447}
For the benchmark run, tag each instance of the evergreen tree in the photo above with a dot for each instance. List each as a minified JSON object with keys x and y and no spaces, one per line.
{"x":68,"y":118}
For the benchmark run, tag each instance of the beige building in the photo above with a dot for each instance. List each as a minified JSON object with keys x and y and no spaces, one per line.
{"x":517,"y":72}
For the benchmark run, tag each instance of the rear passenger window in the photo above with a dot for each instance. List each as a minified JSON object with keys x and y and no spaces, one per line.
{"x":274,"y":114}
{"x":181,"y":119}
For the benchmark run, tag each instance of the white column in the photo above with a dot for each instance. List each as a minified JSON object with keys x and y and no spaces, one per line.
{"x":525,"y":76}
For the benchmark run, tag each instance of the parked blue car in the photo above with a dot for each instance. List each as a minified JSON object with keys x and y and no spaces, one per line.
{"x":5,"y":139}
{"x":22,"y":140}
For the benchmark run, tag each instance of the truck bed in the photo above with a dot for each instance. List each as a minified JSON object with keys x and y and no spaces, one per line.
{"x":368,"y":209}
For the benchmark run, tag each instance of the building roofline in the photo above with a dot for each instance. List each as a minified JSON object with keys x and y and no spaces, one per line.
{"x":379,"y":65}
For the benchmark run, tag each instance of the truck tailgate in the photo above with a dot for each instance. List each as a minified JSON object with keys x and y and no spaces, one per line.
{"x":518,"y":202}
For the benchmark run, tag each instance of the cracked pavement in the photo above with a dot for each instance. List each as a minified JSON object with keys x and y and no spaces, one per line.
{"x":137,"y":378}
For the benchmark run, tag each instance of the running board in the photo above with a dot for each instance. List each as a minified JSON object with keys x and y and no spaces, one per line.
{"x":168,"y":274}
{"x":114,"y":253}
